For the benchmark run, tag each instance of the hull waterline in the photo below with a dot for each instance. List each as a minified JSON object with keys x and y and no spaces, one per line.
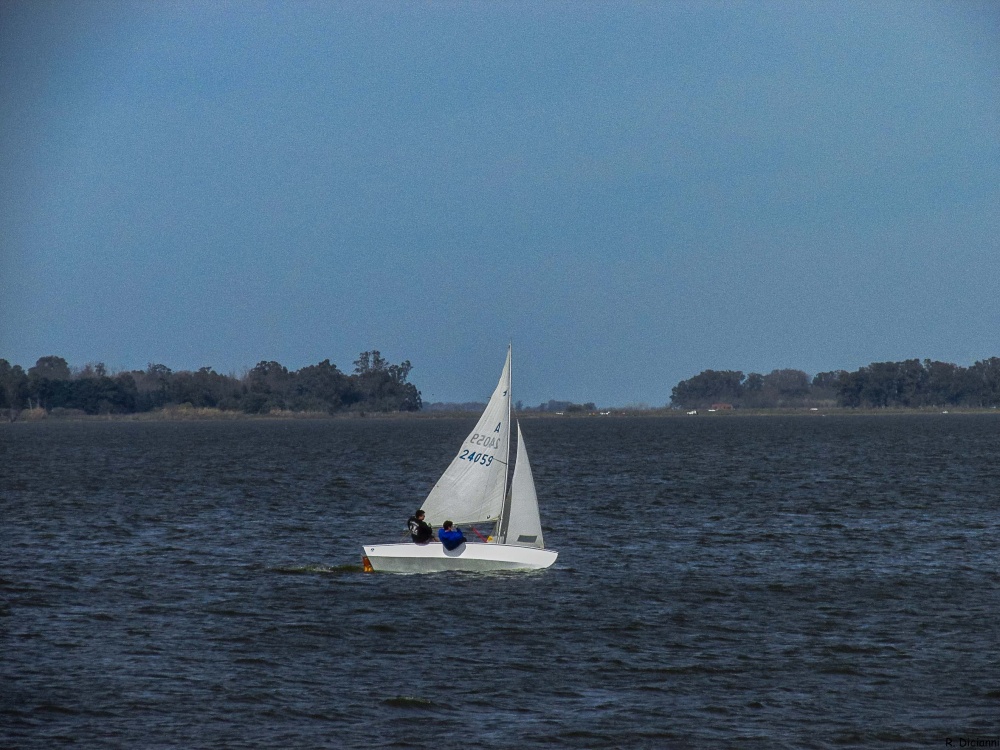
{"x":434,"y":558}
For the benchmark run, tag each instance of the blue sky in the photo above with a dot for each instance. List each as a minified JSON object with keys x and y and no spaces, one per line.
{"x":630,"y":192}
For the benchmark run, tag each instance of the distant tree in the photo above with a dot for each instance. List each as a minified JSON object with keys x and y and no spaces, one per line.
{"x":369,"y":362}
{"x":269,"y":386}
{"x":883,"y":384}
{"x":376,"y":385}
{"x":50,"y":368}
{"x":13,"y":389}
{"x":126,"y":384}
{"x":323,"y":387}
{"x":754,"y":383}
{"x":909,"y":383}
{"x":825,"y":386}
{"x":984,"y":382}
{"x":152,"y":386}
{"x":828,"y":381}
{"x":944,"y":384}
{"x":269,"y":377}
{"x":383,"y":387}
{"x":48,"y":382}
{"x":399,"y":373}
{"x":556,"y":406}
{"x":708,"y":387}
{"x":753,"y":395}
{"x":912,"y":387}
{"x":92,"y":370}
{"x":880,"y":386}
{"x":786,"y":387}
{"x":849,"y":389}
{"x":572,"y":408}
{"x":100,"y":395}
{"x":204,"y":388}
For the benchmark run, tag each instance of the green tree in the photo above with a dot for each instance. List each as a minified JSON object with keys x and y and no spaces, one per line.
{"x":828,"y":381}
{"x":48,"y":382}
{"x":384,"y":387}
{"x":13,"y":389}
{"x":911,"y":389}
{"x":944,"y":386}
{"x":204,"y":388}
{"x":269,"y":386}
{"x":785,"y":387}
{"x":323,"y":387}
{"x":984,"y":379}
{"x":50,"y":368}
{"x":369,"y":362}
{"x":708,"y":387}
{"x":881,"y":384}
{"x":100,"y":395}
{"x":884,"y":384}
{"x":152,"y":386}
{"x":92,"y":370}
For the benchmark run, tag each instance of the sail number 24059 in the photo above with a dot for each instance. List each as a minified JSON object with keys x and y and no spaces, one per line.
{"x":477,"y":458}
{"x":486,"y":441}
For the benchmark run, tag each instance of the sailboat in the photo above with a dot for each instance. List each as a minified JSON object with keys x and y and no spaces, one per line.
{"x":478,"y":490}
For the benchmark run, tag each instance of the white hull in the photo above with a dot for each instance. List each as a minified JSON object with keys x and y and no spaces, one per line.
{"x":434,"y":558}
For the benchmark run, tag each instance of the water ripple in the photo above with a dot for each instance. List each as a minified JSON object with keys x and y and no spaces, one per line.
{"x":735,"y":582}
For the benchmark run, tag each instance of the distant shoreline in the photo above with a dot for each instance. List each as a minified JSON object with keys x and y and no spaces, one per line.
{"x":181,"y":414}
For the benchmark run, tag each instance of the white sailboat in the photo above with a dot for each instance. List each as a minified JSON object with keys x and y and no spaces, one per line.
{"x":477,"y":489}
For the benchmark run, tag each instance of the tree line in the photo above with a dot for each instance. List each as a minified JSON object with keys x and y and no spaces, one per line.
{"x":912,"y":383}
{"x":375,"y":385}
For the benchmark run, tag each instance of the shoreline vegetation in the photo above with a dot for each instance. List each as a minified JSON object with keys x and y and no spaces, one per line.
{"x":191,"y":414}
{"x":376,"y":389}
{"x":910,"y":384}
{"x":53,"y":388}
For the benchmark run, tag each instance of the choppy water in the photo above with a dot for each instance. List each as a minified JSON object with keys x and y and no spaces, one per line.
{"x":726,"y":582}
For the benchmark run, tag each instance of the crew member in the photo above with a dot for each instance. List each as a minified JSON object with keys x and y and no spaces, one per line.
{"x":451,"y":536}
{"x":420,"y":530}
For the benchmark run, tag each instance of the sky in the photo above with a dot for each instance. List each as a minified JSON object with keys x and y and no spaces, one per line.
{"x":628,"y":192}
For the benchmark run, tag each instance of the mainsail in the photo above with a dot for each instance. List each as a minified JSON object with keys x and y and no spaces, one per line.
{"x":473,"y":487}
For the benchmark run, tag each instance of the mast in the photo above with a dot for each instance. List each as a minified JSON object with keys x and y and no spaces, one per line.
{"x":502,"y":522}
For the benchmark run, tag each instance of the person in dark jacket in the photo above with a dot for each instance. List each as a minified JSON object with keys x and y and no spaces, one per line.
{"x":451,"y":536}
{"x":420,"y":530}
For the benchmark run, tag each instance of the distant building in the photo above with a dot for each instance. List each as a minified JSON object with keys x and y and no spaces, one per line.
{"x":721,"y":407}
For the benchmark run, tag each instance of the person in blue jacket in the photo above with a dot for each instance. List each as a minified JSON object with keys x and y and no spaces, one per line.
{"x":451,"y":536}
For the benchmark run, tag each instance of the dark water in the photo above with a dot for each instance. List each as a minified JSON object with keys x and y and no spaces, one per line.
{"x":728,"y":582}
